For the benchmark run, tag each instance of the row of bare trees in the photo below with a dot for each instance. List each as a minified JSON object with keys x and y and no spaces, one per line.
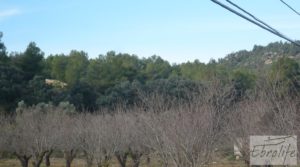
{"x":186,"y":134}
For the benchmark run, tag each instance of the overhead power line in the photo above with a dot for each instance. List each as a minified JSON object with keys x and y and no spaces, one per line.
{"x":289,"y":6}
{"x":254,"y":20}
{"x":258,"y":20}
{"x":251,"y":15}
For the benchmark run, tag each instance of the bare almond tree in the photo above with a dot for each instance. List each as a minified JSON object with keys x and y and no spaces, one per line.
{"x":155,"y":136}
{"x":98,"y":139}
{"x":138,"y":145}
{"x":185,"y":136}
{"x":108,"y":142}
{"x":69,"y":138}
{"x":33,"y":133}
{"x":53,"y":124}
{"x":19,"y":143}
{"x":245,"y":121}
{"x":121,"y":122}
{"x":87,"y":136}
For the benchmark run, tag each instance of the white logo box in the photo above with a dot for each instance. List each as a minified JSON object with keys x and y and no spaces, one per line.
{"x":273,"y":150}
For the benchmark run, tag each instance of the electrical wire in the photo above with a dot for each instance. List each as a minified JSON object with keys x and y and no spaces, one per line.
{"x":256,"y":21}
{"x":251,"y":15}
{"x":289,"y":6}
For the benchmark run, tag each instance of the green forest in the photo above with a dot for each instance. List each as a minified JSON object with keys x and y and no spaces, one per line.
{"x":120,"y":78}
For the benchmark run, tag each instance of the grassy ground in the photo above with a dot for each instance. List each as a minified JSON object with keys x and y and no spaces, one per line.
{"x":57,"y":162}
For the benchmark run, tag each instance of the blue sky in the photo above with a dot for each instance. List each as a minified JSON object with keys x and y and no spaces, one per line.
{"x":176,"y":30}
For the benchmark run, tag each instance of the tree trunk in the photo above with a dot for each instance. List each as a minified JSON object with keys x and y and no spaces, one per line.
{"x":89,"y":163}
{"x":148,"y":160}
{"x":88,"y":159}
{"x":47,"y":158}
{"x":105,"y":162}
{"x":68,"y":162}
{"x":122,"y":159}
{"x":136,"y":157}
{"x":69,"y":157}
{"x":24,"y":160}
{"x":38,"y":159}
{"x":136,"y":164}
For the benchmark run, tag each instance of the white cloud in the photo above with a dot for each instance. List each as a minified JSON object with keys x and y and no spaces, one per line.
{"x":9,"y":13}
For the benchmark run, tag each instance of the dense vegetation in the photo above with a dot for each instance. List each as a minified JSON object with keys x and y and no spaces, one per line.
{"x":92,"y":84}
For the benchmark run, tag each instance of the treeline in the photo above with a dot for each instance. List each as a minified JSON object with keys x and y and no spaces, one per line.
{"x":260,"y":56}
{"x":111,"y":79}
